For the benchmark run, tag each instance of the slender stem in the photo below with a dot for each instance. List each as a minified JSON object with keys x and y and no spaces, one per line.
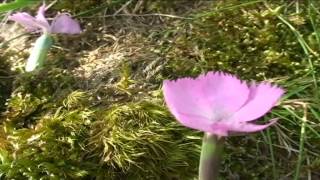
{"x":301,"y":145}
{"x":273,"y":160}
{"x":210,"y":157}
{"x":39,"y":52}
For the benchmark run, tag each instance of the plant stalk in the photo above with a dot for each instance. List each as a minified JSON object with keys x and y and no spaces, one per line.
{"x":39,"y":52}
{"x":210,"y":157}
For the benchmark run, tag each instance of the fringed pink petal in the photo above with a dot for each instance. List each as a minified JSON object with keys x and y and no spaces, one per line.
{"x":40,"y":17}
{"x":194,"y":122}
{"x":213,"y":95}
{"x":63,"y":23}
{"x":223,"y":92}
{"x":245,"y":127}
{"x":261,"y":99}
{"x":26,"y":20}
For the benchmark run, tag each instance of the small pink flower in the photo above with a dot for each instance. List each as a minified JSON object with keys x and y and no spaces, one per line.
{"x":62,"y":23}
{"x":220,"y":103}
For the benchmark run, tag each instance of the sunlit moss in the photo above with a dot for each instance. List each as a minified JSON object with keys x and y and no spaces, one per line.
{"x":251,"y":42}
{"x":141,"y":140}
{"x":51,"y":129}
{"x":6,"y":77}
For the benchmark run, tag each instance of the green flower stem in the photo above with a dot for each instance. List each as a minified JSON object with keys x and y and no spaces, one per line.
{"x":210,"y":157}
{"x":39,"y":52}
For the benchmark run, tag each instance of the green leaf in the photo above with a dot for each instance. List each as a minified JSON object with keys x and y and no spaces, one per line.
{"x":4,"y":7}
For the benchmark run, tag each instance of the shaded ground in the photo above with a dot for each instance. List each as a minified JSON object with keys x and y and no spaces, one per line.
{"x":96,"y":109}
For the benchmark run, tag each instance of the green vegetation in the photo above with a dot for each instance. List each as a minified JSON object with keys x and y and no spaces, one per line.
{"x":96,"y":109}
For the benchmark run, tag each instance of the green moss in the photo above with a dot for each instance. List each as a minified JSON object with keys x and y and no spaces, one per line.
{"x":251,"y":42}
{"x":34,"y":93}
{"x":50,"y":130}
{"x":134,"y":140}
{"x":142,"y":140}
{"x":6,"y":78}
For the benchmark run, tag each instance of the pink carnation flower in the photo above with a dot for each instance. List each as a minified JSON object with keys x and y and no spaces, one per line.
{"x":220,"y":103}
{"x":62,"y":23}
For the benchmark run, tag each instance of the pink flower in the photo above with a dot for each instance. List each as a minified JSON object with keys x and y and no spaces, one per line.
{"x":220,"y":103}
{"x":62,"y":23}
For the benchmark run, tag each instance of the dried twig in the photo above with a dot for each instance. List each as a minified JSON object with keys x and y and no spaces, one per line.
{"x":142,"y":15}
{"x":122,"y":7}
